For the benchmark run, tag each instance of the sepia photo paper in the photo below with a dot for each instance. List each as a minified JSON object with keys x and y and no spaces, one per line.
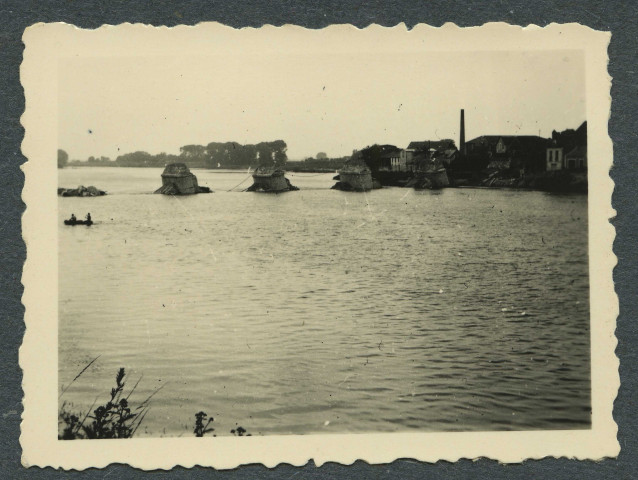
{"x":276,"y":245}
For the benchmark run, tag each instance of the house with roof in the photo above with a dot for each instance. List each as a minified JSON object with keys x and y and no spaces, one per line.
{"x":522,"y":152}
{"x":576,"y":159}
{"x":397,"y":161}
{"x":378,"y":158}
{"x":568,"y":150}
{"x":554,"y":159}
{"x":443,"y":151}
{"x":429,"y":145}
{"x":406,"y":160}
{"x":390,"y":160}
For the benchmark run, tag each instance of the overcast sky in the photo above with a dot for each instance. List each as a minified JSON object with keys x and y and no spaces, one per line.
{"x":332,"y":103}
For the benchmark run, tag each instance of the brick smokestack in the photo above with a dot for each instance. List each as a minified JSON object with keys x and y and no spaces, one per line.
{"x":462,"y":139}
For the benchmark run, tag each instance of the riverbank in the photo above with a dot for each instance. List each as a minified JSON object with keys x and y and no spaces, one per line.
{"x":562,"y":181}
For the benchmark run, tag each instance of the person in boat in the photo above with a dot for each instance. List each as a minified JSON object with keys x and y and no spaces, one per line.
{"x":73,"y":219}
{"x":88,"y":217}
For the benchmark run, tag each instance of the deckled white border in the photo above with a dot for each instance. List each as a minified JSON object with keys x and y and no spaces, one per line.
{"x":38,"y":354}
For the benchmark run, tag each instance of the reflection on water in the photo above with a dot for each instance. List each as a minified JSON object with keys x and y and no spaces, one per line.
{"x":325,"y":311}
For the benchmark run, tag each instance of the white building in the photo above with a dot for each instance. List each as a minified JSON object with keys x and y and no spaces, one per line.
{"x":554,"y":159}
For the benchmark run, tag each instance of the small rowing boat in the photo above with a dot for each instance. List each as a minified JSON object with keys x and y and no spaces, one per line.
{"x":88,"y":223}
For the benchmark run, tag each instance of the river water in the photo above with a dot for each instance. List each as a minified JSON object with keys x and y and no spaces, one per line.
{"x":321,"y":311}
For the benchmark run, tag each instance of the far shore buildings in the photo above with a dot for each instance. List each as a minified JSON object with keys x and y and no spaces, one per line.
{"x":509,"y":152}
{"x":568,"y":150}
{"x":513,"y":155}
{"x":416,"y":154}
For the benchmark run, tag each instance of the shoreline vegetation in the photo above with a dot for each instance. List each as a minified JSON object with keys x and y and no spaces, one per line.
{"x":118,"y":417}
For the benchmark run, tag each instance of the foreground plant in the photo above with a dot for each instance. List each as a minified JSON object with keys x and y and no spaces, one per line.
{"x":114,"y":419}
{"x":201,"y":428}
{"x":240,"y":432}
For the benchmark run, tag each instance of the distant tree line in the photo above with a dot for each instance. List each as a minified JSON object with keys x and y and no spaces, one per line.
{"x":234,"y":155}
{"x":323,"y":164}
{"x":228,"y":155}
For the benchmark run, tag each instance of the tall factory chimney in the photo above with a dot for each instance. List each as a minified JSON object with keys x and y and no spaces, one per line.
{"x":462,"y":139}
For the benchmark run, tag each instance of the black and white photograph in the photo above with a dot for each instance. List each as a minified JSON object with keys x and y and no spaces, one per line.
{"x":324,"y":234}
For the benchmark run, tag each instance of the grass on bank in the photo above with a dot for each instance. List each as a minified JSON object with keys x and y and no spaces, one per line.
{"x":114,"y":419}
{"x":117,"y":418}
